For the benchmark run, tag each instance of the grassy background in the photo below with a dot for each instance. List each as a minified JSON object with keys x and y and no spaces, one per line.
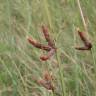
{"x":19,"y":61}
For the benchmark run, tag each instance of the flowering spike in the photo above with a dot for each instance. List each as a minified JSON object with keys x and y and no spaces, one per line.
{"x":87,"y":44}
{"x":46,"y":57}
{"x":38,"y":45}
{"x":47,"y":36}
{"x":82,"y":36}
{"x":46,"y":81}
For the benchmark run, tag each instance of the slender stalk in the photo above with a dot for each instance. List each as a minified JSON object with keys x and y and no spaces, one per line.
{"x":48,"y":13}
{"x":93,"y":57}
{"x":52,"y":93}
{"x":83,"y":19}
{"x":76,"y":66}
{"x":61,"y":75}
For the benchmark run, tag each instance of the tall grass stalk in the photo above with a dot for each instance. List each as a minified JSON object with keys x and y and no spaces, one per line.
{"x":76,"y":68}
{"x":61,"y":74}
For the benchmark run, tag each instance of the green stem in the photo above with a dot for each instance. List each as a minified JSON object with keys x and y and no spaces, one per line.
{"x":61,"y":75}
{"x":94,"y":63}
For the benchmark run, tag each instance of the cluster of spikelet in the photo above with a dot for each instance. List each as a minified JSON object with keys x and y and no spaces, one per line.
{"x":47,"y":79}
{"x":50,"y":48}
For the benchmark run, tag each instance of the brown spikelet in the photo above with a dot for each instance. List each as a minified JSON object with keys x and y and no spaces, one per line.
{"x":46,"y":84}
{"x":46,"y":81}
{"x":47,"y":36}
{"x":82,"y":36}
{"x":48,"y":56}
{"x":38,"y":45}
{"x":87,"y":43}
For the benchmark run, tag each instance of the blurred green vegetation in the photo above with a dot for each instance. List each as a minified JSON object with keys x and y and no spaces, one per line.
{"x":19,"y":61}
